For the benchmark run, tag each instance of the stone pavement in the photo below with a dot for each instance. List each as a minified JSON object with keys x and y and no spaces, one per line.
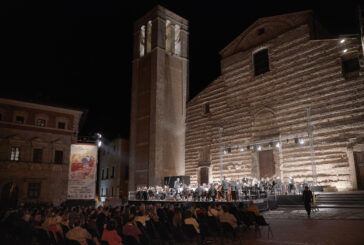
{"x":293,"y":227}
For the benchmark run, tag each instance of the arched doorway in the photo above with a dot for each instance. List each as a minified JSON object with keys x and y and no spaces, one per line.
{"x":204,"y":176}
{"x":9,"y":195}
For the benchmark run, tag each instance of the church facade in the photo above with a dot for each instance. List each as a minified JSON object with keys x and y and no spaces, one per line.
{"x":289,"y":103}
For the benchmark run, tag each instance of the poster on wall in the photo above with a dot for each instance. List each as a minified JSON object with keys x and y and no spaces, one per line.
{"x":82,"y":171}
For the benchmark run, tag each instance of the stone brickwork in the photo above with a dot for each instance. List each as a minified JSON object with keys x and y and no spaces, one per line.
{"x":305,"y":73}
{"x":27,"y":136}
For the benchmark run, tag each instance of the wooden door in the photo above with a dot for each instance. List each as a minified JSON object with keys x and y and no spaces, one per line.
{"x":266,"y":164}
{"x":204,"y":175}
{"x":359,"y":167}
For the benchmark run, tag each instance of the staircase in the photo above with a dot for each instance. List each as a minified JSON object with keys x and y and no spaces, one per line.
{"x":338,"y":200}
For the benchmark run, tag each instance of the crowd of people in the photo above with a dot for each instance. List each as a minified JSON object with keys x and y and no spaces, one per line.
{"x":127,"y":224}
{"x":226,"y":190}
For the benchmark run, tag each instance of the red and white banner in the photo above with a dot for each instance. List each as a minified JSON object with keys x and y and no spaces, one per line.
{"x":82,"y":171}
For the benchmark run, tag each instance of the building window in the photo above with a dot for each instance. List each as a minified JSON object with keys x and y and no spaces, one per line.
{"x":37,"y":155}
{"x":41,"y":123}
{"x":112,"y":191}
{"x":350,"y":67}
{"x":102,"y":192}
{"x":142,"y":41}
{"x":112,"y":172}
{"x":58,"y":157}
{"x":149,"y":36}
{"x":261,"y":62}
{"x":15,"y":153}
{"x":103,"y":174}
{"x":33,"y":190}
{"x":168,"y":36}
{"x":19,"y":119}
{"x":107,"y":191}
{"x":177,"y":40}
{"x":1,"y":117}
{"x":206,"y":108}
{"x":107,"y":173}
{"x":61,"y":125}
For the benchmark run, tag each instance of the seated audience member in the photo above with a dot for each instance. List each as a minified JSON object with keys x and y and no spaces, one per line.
{"x":110,"y":235}
{"x":253,"y":208}
{"x":141,"y":217}
{"x":212,"y":211}
{"x":78,"y":233}
{"x":189,"y":220}
{"x":130,"y":229}
{"x":228,"y":217}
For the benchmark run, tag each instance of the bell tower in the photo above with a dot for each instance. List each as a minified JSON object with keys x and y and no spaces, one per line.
{"x":159,"y":93}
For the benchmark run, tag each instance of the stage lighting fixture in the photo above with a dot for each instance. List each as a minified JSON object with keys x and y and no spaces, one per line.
{"x":270,"y":144}
{"x":345,"y":50}
{"x":241,"y":149}
{"x":278,"y":144}
{"x":302,"y":141}
{"x":99,"y":143}
{"x":259,"y":148}
{"x":342,"y":40}
{"x":225,"y":152}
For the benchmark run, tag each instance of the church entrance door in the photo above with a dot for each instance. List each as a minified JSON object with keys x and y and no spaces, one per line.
{"x":204,"y":175}
{"x":359,"y":167}
{"x":266,"y":164}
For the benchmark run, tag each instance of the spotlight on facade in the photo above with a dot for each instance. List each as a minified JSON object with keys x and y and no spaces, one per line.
{"x":225,"y":152}
{"x":342,"y":40}
{"x":345,"y":50}
{"x":301,"y":141}
{"x":259,"y":148}
{"x":278,"y":144}
{"x":241,"y":149}
{"x":99,"y":143}
{"x":99,"y":135}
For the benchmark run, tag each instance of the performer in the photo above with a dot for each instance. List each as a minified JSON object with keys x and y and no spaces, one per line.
{"x":233,"y":190}
{"x":225,"y":189}
{"x":198,"y":193}
{"x":307,"y":200}
{"x":177,"y":184}
{"x":211,"y":192}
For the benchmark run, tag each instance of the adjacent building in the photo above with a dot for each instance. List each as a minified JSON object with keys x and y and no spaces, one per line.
{"x":35,"y":144}
{"x":114,"y":169}
{"x":289,"y":103}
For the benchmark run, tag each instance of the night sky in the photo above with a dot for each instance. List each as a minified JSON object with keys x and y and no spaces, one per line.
{"x":78,"y":53}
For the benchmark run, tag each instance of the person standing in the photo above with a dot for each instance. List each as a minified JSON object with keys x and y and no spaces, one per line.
{"x":307,"y":200}
{"x":225,"y":188}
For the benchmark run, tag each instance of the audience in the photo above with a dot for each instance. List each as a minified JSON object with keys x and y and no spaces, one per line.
{"x":110,"y":235}
{"x":78,"y":233}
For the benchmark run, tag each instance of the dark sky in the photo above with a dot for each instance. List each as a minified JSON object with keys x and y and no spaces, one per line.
{"x":79,"y":53}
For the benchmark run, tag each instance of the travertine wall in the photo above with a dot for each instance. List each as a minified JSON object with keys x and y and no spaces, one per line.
{"x":304,"y":73}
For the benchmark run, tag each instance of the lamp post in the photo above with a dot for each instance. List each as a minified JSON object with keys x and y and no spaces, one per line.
{"x":220,"y":151}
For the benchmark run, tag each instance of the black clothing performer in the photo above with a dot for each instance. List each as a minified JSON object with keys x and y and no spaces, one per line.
{"x":307,"y":200}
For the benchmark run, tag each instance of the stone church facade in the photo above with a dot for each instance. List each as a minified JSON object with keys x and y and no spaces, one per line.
{"x":35,"y":142}
{"x":289,"y":103}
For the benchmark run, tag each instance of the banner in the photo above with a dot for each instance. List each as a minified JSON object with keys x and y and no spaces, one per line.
{"x":82,"y":171}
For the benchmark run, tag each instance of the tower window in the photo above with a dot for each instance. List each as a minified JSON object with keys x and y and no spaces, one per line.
{"x":149,"y":36}
{"x":61,"y":125}
{"x":168,"y":36}
{"x":142,"y":41}
{"x":261,"y":62}
{"x":1,"y":117}
{"x":177,"y":40}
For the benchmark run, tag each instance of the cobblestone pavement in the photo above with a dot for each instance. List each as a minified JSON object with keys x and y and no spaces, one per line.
{"x":292,"y":227}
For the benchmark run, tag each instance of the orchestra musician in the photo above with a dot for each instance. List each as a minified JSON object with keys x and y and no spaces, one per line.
{"x":211,"y":193}
{"x":233,"y":190}
{"x":225,"y":189}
